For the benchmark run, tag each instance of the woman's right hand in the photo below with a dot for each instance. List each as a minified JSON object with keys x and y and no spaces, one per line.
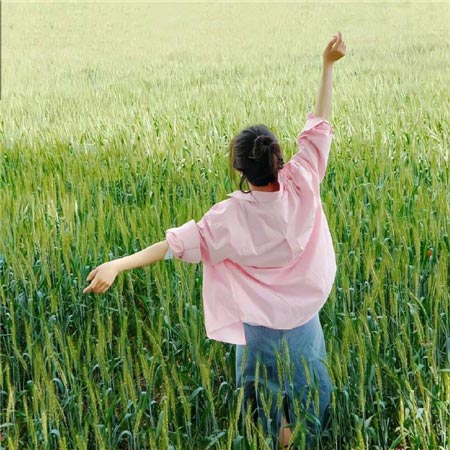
{"x":102,"y":278}
{"x":335,"y":49}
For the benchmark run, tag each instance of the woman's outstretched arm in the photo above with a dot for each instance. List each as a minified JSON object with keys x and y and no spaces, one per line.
{"x":334,"y":51}
{"x":104,"y":275}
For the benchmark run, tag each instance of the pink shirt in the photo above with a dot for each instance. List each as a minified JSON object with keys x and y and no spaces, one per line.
{"x":268,"y":257}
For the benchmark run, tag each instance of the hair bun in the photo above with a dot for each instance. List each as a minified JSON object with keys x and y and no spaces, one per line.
{"x":263,"y":139}
{"x":261,"y":146}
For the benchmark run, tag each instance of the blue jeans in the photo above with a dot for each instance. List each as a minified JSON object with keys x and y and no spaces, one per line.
{"x":285,"y":369}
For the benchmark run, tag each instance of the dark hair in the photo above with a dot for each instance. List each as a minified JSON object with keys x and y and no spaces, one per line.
{"x":256,"y":152}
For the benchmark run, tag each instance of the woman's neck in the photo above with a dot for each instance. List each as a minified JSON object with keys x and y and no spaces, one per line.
{"x":271,"y":187}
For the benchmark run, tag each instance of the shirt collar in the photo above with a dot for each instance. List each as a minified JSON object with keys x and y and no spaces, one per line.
{"x":260,"y":196}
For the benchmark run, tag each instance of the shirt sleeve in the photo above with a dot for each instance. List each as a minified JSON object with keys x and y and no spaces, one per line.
{"x":314,"y":143}
{"x":208,"y":240}
{"x":184,"y":241}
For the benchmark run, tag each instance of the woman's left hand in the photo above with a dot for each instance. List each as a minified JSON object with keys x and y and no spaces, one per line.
{"x":103,"y":277}
{"x":335,"y":49}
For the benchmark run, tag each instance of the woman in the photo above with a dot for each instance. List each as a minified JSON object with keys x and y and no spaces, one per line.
{"x":268,"y":268}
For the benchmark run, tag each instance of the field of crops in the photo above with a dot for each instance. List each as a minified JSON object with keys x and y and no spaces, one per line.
{"x":115,"y":121}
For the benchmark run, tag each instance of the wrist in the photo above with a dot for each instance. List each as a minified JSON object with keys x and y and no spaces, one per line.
{"x":116,"y":263}
{"x":327,"y":64}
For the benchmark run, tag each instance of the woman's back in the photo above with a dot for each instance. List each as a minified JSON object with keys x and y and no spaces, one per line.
{"x":268,"y":256}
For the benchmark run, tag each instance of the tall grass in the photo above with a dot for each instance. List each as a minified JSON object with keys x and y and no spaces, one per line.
{"x":115,"y":121}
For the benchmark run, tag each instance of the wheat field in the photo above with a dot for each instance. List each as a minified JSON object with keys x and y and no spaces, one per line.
{"x":115,"y":124}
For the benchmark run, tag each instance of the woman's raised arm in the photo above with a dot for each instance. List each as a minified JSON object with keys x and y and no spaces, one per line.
{"x":334,"y":51}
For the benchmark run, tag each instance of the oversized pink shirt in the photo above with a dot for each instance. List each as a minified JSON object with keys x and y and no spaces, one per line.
{"x":268,"y":257}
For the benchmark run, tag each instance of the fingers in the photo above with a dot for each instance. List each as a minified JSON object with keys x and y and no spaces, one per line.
{"x":339,"y":43}
{"x":103,"y":288}
{"x":97,"y":286}
{"x":336,"y":41}
{"x":95,"y":283}
{"x":331,"y":43}
{"x":92,"y":274}
{"x":337,"y":38}
{"x":92,"y":287}
{"x":87,"y":289}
